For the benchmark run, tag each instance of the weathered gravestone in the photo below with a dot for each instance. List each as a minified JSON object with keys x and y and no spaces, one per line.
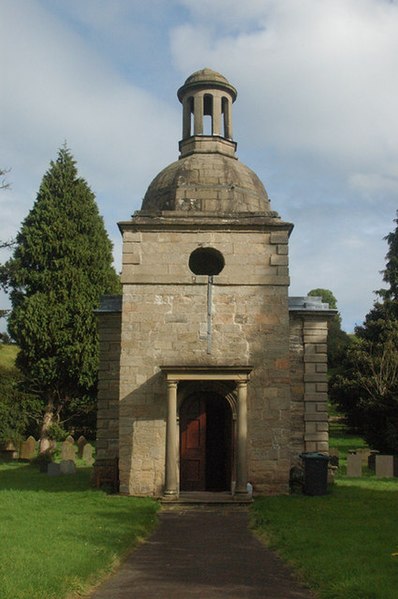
{"x":88,"y":451}
{"x":384,"y":466}
{"x":354,"y":465}
{"x":28,"y":449}
{"x":81,"y":442}
{"x":53,"y":469}
{"x":67,"y":467}
{"x":70,"y":439}
{"x":68,"y":451}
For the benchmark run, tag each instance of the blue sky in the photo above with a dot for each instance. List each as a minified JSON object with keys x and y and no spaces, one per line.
{"x":316,"y":115}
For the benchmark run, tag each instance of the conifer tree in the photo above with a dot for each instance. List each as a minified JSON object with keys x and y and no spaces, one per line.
{"x":61,"y":265}
{"x":367,"y":388}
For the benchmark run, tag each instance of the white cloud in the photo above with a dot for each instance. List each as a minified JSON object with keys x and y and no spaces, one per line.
{"x":317,"y":77}
{"x":57,"y":88}
{"x":316,"y":113}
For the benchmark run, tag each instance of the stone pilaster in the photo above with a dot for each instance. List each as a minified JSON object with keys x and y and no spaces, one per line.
{"x":316,"y":431}
{"x":107,"y":444}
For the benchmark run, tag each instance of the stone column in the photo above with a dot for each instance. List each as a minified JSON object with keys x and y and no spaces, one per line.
{"x":241,"y":475}
{"x":198,"y":115}
{"x":216,"y":115}
{"x":227,"y":118}
{"x":171,"y":441}
{"x":186,"y":118}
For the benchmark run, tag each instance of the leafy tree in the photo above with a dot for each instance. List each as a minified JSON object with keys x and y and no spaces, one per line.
{"x":338,"y":340}
{"x":61,"y":265}
{"x":367,"y":389}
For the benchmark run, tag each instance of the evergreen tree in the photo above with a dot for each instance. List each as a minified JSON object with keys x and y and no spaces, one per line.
{"x":61,"y":265}
{"x":367,"y":389}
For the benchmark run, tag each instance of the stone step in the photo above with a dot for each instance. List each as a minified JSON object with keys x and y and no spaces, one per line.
{"x":207,"y":498}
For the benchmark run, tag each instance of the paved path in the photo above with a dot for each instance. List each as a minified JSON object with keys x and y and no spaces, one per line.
{"x":206,"y":554}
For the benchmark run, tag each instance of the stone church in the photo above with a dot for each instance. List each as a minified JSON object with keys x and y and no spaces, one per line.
{"x":210,"y":377}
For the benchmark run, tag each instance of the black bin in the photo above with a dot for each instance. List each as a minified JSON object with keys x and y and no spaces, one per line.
{"x":315,"y":473}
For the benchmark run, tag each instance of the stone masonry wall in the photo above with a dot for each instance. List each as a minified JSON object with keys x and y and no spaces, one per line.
{"x":316,"y":386}
{"x":165,"y":322}
{"x":308,"y":359}
{"x":109,"y":331}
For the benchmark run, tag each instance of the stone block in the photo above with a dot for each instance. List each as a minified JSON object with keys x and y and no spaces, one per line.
{"x":354,"y":465}
{"x":384,"y":466}
{"x":67,"y":467}
{"x":68,"y":451}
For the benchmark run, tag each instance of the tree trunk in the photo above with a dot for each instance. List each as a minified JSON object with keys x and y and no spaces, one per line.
{"x":48,"y":419}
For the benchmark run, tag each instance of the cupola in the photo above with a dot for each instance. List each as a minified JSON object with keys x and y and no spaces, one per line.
{"x":207,"y":99}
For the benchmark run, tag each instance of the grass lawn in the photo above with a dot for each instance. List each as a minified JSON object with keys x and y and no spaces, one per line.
{"x":8,"y":354}
{"x":59,"y":536}
{"x":343,"y":544}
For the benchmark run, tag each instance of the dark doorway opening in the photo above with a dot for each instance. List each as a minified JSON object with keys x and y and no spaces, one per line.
{"x":205,"y":443}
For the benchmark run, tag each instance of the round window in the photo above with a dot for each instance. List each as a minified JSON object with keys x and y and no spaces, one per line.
{"x":206,"y":261}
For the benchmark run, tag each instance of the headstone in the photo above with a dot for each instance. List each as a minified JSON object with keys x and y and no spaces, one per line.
{"x":53,"y":469}
{"x":384,"y":466}
{"x":67,"y":467}
{"x":81,"y":442}
{"x":68,"y":451}
{"x":28,"y":449}
{"x":354,"y":465}
{"x":70,"y":439}
{"x":88,"y":451}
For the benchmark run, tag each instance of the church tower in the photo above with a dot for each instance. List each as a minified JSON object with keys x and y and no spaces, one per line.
{"x":198,"y":368}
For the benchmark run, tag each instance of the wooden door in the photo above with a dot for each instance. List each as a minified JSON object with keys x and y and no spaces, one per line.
{"x":193,"y":444}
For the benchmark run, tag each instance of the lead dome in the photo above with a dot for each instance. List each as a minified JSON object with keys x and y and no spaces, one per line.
{"x":208,"y":177}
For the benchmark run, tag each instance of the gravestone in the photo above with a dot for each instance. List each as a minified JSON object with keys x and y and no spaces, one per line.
{"x":53,"y":469}
{"x":81,"y":442}
{"x":88,"y":451}
{"x":8,"y":451}
{"x":68,"y":451}
{"x":67,"y":467}
{"x":28,"y":449}
{"x":354,"y":465}
{"x":384,"y":466}
{"x":70,"y":439}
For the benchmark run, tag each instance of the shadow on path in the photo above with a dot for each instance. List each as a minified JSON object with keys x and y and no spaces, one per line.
{"x":202,"y":553}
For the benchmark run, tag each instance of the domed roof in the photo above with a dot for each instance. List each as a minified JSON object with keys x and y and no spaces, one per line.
{"x":210,"y":183}
{"x":206,"y":75}
{"x":206,"y":78}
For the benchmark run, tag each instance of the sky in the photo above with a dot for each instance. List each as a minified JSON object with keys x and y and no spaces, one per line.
{"x":316,"y":115}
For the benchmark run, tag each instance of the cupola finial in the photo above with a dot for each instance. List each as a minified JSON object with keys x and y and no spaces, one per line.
{"x":207,"y":99}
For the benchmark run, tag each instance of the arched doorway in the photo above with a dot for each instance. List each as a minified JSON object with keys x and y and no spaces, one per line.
{"x":205,"y":443}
